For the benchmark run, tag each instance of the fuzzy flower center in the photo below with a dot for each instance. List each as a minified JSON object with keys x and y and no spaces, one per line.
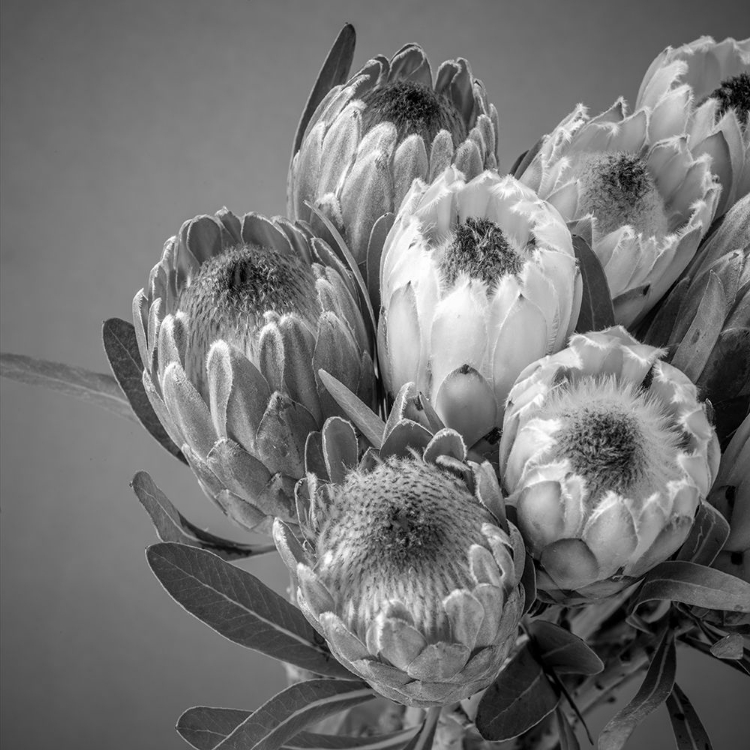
{"x":618,"y":189}
{"x":403,"y":532}
{"x":413,"y":108}
{"x":734,"y":93}
{"x":615,"y":436}
{"x":481,"y":250}
{"x":232,"y":291}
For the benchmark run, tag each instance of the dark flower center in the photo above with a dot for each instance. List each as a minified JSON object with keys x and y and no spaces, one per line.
{"x":481,"y":250}
{"x":734,"y":93}
{"x":618,"y":189}
{"x":412,"y":108}
{"x":229,"y":295}
{"x":402,"y":531}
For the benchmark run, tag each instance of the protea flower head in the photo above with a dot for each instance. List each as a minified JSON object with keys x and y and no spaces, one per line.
{"x":705,"y":86}
{"x":407,"y":572}
{"x":606,"y":454}
{"x":372,"y":136}
{"x":640,"y":197}
{"x":705,"y":322}
{"x":478,"y":279}
{"x":238,"y":317}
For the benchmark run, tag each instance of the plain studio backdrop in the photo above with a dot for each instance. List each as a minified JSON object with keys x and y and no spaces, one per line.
{"x":120,"y":120}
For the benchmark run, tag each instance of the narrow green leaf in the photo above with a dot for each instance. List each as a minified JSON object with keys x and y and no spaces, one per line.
{"x":334,"y":72}
{"x":517,"y":701}
{"x":286,"y":714}
{"x":93,"y":387}
{"x":731,"y":647}
{"x":689,"y":733}
{"x":697,"y":585}
{"x":524,"y":160}
{"x":240,"y":607}
{"x":426,"y":736}
{"x":369,"y":424}
{"x":172,"y":526}
{"x":568,"y":739}
{"x":707,"y":536}
{"x":596,"y":302}
{"x":121,"y":347}
{"x":655,"y":689}
{"x":741,"y":665}
{"x":562,"y":651}
{"x":204,"y":728}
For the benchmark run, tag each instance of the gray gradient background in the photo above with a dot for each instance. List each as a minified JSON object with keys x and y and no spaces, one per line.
{"x":121,"y":119}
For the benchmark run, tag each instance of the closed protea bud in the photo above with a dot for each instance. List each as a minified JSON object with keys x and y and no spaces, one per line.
{"x":407,"y":573}
{"x":705,"y":321}
{"x":705,"y":86}
{"x":238,"y":317}
{"x":478,"y":279}
{"x":389,"y":124}
{"x":631,"y":186}
{"x":607,"y":454}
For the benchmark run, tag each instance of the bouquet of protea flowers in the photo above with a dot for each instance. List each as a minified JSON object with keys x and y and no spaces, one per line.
{"x":495,"y":425}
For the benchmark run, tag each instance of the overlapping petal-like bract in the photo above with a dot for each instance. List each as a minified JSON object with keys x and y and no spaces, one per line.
{"x":237,"y":318}
{"x":478,"y":279}
{"x":412,"y":579}
{"x":705,"y":87}
{"x":606,"y":454}
{"x":631,"y":186}
{"x":389,"y":124}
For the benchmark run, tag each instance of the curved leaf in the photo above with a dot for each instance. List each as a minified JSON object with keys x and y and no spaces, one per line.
{"x":240,"y":607}
{"x":523,"y":161}
{"x":334,"y":72}
{"x":205,"y":727}
{"x":172,"y":526}
{"x":731,"y":647}
{"x":93,"y":387}
{"x":655,"y":689}
{"x":287,"y":713}
{"x":121,"y":347}
{"x":517,"y":701}
{"x":568,"y":739}
{"x":707,"y":536}
{"x":562,"y":651}
{"x":597,"y":311}
{"x":697,"y":585}
{"x":689,"y":733}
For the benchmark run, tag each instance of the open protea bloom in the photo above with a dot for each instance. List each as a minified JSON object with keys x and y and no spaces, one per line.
{"x":371,"y":137}
{"x":238,"y":317}
{"x":607,"y":454}
{"x":407,"y":575}
{"x":705,"y":87}
{"x":478,"y":279}
{"x":641,"y":198}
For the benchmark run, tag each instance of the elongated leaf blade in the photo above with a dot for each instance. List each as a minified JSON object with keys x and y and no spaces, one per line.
{"x":240,"y":607}
{"x":568,"y":739}
{"x":697,"y":585}
{"x":121,"y":347}
{"x":523,"y":161}
{"x":655,"y":689}
{"x":95,"y":388}
{"x":205,"y":727}
{"x":368,"y":423}
{"x":517,"y":701}
{"x":741,"y":665}
{"x":707,"y":536}
{"x":689,"y":732}
{"x":426,"y":735}
{"x":597,"y":311}
{"x":286,"y":714}
{"x":730,"y":647}
{"x":334,"y":72}
{"x":172,"y":526}
{"x":562,"y":651}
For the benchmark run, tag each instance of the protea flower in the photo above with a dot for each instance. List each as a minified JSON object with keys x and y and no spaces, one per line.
{"x":478,"y":279}
{"x":705,"y":322}
{"x":408,"y":574}
{"x":238,"y":317}
{"x":705,"y":87}
{"x":640,"y":197}
{"x":606,"y":455}
{"x":371,"y":137}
